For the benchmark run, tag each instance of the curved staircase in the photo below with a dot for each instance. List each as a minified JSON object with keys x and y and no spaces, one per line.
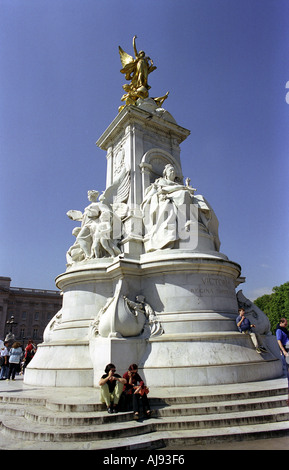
{"x":34,"y":419}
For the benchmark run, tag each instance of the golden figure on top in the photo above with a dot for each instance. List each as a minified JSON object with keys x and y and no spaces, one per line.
{"x":137,"y":71}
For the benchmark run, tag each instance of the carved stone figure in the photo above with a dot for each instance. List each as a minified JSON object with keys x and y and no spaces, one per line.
{"x":102,"y":241}
{"x":75,"y":252}
{"x":152,"y":326}
{"x":169,"y":208}
{"x":160,"y":209}
{"x":94,"y":237}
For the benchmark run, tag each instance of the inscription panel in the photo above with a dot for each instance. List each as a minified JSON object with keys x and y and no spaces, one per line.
{"x":217,"y":286}
{"x":192,"y":292}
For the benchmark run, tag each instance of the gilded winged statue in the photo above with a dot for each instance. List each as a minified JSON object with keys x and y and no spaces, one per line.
{"x":136,"y":71}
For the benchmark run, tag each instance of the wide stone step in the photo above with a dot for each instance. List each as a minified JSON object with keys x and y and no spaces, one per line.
{"x":245,"y":404}
{"x":20,"y":400}
{"x":12,"y":409}
{"x":229,"y":434}
{"x":173,"y":397}
{"x":81,"y":418}
{"x":19,"y":426}
{"x":72,"y":407}
{"x":86,"y":418}
{"x":156,"y":440}
{"x":192,"y":415}
{"x":222,"y":419}
{"x":185,"y":398}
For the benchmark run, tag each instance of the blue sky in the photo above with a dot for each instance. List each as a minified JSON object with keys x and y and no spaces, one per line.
{"x":226,"y":65}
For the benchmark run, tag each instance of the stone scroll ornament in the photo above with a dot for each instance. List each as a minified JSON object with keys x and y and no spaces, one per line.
{"x":54,"y":323}
{"x":122,"y":317}
{"x":152,"y":326}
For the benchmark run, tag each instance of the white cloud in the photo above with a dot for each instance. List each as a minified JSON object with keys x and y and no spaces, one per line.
{"x":255,"y":293}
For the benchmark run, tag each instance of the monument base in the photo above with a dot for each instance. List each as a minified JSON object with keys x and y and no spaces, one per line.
{"x":194,"y":301}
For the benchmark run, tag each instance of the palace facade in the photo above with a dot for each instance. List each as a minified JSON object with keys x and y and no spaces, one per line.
{"x":26,"y":312}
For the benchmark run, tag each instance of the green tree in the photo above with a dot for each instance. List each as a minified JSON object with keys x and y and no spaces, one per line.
{"x":275,"y":305}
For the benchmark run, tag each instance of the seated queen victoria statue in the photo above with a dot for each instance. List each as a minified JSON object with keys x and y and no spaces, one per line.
{"x":172,"y":212}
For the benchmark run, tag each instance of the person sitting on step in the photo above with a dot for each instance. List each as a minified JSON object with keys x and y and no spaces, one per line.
{"x":135,"y":387}
{"x":244,"y":326}
{"x":111,"y":387}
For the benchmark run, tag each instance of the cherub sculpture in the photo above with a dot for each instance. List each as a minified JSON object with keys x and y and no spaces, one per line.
{"x":94,"y":239}
{"x":137,"y":71}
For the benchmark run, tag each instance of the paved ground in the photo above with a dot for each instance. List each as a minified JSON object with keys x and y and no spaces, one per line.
{"x":276,"y":443}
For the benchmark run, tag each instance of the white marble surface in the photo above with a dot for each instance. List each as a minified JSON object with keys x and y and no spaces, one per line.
{"x":188,"y":284}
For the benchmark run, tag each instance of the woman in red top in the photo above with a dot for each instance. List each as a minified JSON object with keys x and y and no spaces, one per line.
{"x":29,"y":353}
{"x":136,"y":388}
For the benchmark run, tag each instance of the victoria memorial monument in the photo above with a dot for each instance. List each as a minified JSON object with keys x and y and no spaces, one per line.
{"x":146,"y":281}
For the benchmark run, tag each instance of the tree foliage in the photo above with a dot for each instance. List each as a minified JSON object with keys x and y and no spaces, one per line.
{"x":275,"y":305}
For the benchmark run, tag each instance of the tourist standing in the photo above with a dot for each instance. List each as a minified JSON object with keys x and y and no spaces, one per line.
{"x":282,"y":336}
{"x":14,"y":360}
{"x":29,"y":353}
{"x":5,"y":364}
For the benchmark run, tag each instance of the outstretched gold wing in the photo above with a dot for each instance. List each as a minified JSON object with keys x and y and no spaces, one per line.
{"x":128,"y":63}
{"x":125,"y":58}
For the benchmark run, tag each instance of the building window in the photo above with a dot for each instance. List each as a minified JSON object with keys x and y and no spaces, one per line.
{"x":23,"y":316}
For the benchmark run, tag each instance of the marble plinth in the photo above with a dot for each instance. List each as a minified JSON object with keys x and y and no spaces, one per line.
{"x":194,"y":299}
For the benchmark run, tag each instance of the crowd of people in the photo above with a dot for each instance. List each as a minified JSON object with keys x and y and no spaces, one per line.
{"x":14,"y":358}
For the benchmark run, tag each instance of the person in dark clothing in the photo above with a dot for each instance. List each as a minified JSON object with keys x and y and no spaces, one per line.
{"x":135,"y":387}
{"x":29,"y":353}
{"x":245,"y":326}
{"x":5,"y":358}
{"x":282,"y":336}
{"x":111,"y":387}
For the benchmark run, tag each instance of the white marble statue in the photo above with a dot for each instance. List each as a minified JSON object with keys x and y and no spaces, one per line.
{"x":75,"y":252}
{"x":94,"y":237}
{"x":169,"y":208}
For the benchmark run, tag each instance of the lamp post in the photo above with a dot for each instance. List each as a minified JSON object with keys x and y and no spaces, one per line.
{"x":10,"y":336}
